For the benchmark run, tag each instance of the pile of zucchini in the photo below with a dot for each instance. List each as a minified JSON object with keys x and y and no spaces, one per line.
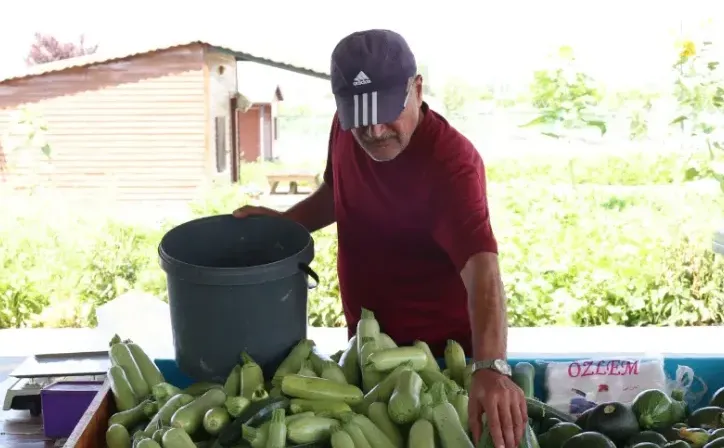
{"x":373,"y":394}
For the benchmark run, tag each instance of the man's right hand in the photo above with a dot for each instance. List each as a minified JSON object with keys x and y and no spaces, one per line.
{"x":254,"y":210}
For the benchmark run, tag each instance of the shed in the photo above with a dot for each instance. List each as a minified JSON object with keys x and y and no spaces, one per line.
{"x":153,"y":124}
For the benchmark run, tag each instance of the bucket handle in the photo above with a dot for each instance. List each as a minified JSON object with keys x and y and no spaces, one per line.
{"x":307,"y":270}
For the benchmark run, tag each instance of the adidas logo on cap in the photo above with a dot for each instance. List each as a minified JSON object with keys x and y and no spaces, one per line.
{"x":361,"y":79}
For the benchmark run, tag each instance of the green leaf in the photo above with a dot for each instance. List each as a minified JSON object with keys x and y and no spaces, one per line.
{"x":679,"y":119}
{"x":46,"y":150}
{"x":551,"y":134}
{"x":598,"y":124}
{"x":542,"y":119}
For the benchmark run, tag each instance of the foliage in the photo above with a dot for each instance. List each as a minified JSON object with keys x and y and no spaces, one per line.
{"x":586,"y":256}
{"x":699,"y":91}
{"x":47,"y":48}
{"x":565,"y":98}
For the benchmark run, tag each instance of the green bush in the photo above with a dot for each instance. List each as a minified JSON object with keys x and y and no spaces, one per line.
{"x":588,"y":255}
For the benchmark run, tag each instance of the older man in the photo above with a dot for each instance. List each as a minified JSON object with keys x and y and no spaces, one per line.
{"x":407,"y":192}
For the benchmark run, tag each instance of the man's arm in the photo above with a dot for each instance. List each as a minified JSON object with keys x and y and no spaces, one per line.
{"x":316,"y":211}
{"x":486,"y":302}
{"x":463,"y":230}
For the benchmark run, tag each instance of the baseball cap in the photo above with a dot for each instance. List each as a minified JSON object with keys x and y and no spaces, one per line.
{"x":370,"y":74}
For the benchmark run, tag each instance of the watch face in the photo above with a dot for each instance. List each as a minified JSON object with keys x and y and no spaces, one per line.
{"x":502,"y":366}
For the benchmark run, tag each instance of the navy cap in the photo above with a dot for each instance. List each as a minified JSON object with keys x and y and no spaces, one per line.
{"x":370,"y":77}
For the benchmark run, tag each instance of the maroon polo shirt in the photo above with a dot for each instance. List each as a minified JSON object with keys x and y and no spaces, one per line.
{"x":406,"y":228}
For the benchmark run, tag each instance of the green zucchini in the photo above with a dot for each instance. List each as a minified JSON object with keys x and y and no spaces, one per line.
{"x":117,"y":436}
{"x":177,"y":438}
{"x":190,"y":417}
{"x":320,"y":389}
{"x":277,"y":432}
{"x":455,"y":361}
{"x":121,"y":356}
{"x":379,"y":414}
{"x":538,"y":410}
{"x":341,"y":439}
{"x":149,"y":370}
{"x":431,"y":361}
{"x":130,"y":417}
{"x":254,"y":414}
{"x":123,"y":393}
{"x":422,"y":435}
{"x":368,"y":329}
{"x":359,"y":439}
{"x":293,"y":362}
{"x":404,"y":404}
{"x":383,"y":390}
{"x":231,"y":386}
{"x":311,"y":429}
{"x":446,"y":420}
{"x":349,"y":364}
{"x":164,"y":414}
{"x":524,"y":377}
{"x":251,"y":377}
{"x":215,"y":419}
{"x":386,"y":341}
{"x":384,"y":360}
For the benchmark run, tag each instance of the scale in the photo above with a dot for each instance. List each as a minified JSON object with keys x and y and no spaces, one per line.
{"x":39,"y":371}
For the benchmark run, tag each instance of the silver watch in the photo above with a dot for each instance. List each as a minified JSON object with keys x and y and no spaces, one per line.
{"x":496,"y":365}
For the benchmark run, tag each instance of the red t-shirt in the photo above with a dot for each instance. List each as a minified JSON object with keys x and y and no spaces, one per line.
{"x":406,"y":228}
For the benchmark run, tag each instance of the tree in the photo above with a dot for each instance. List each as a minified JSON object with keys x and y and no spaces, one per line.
{"x":47,"y":48}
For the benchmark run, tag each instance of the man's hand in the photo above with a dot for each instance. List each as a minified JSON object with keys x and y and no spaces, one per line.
{"x":504,"y":406}
{"x":254,"y":210}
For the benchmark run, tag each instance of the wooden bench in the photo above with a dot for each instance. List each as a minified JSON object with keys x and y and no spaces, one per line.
{"x":294,"y":179}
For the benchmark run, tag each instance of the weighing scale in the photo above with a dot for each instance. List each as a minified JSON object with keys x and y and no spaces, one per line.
{"x":39,"y":371}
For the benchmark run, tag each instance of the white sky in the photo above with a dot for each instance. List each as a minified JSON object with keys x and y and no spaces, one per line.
{"x":619,"y":41}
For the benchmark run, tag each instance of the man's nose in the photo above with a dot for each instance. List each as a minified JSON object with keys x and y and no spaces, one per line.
{"x":376,"y":130}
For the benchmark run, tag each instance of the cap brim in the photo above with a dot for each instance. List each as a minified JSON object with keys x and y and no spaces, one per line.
{"x":366,"y":109}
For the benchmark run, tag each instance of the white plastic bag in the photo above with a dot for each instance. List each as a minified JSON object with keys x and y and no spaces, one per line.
{"x":576,"y":386}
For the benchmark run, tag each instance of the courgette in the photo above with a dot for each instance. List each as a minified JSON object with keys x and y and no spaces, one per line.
{"x":130,"y":417}
{"x":120,"y":355}
{"x":163,"y":416}
{"x":251,"y":377}
{"x":117,"y":436}
{"x":177,"y":438}
{"x":455,"y":361}
{"x":524,"y":377}
{"x":341,"y":439}
{"x":368,"y":329}
{"x":404,"y":404}
{"x":293,"y":362}
{"x":215,"y":419}
{"x":190,"y":417}
{"x":446,"y":420}
{"x":349,"y":364}
{"x":320,"y":389}
{"x":149,"y":370}
{"x":538,"y":410}
{"x":123,"y":393}
{"x":311,"y":429}
{"x":422,"y":435}
{"x":384,"y":360}
{"x":254,"y":414}
{"x":431,"y":361}
{"x":379,"y":415}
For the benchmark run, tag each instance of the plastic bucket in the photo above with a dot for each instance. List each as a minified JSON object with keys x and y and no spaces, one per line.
{"x":236,"y":285}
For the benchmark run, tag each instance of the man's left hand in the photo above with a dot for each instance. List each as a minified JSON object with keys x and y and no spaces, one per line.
{"x":503,"y":403}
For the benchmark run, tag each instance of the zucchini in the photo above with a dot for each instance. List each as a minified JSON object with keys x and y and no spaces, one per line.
{"x":370,"y":376}
{"x":317,"y":359}
{"x":256,"y":437}
{"x":150,"y":371}
{"x":123,"y":393}
{"x":236,"y":405}
{"x":460,"y":403}
{"x":334,"y":407}
{"x":422,"y":435}
{"x":385,"y":360}
{"x":524,"y":377}
{"x":121,"y":356}
{"x":383,"y":390}
{"x":190,"y":417}
{"x":455,"y":360}
{"x":117,"y":436}
{"x":431,"y":361}
{"x":307,"y":369}
{"x":164,"y":414}
{"x":130,"y":417}
{"x":359,"y":439}
{"x":336,"y":356}
{"x":538,"y":410}
{"x":368,"y":329}
{"x":320,"y":389}
{"x":231,"y":386}
{"x":349,"y":364}
{"x":446,"y":420}
{"x":380,"y":416}
{"x":654,"y":409}
{"x":373,"y":434}
{"x":293,"y":362}
{"x":405,"y":400}
{"x":277,"y":432}
{"x":215,"y":419}
{"x":332,"y":372}
{"x":251,"y":376}
{"x":311,"y":429}
{"x":341,"y":439}
{"x":148,"y":443}
{"x":198,"y":389}
{"x":430,"y":377}
{"x":254,"y":414}
{"x":386,"y":341}
{"x":177,"y":438}
{"x":162,"y":392}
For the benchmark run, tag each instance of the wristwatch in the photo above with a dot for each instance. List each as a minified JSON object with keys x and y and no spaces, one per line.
{"x":496,"y":365}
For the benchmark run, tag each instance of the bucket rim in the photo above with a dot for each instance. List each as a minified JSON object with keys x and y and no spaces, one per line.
{"x":168,"y":260}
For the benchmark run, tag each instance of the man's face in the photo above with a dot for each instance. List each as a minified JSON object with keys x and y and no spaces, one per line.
{"x":384,"y":142}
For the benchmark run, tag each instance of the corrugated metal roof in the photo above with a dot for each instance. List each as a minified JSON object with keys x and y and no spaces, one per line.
{"x":103,"y":57}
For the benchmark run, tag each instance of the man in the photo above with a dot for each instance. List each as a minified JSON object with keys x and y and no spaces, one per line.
{"x":415,"y":242}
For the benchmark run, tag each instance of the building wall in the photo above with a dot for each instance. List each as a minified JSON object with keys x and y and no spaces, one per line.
{"x":221,"y":72}
{"x":133,"y":129}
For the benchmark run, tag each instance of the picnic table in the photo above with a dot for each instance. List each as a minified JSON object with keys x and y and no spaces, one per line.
{"x":294,"y":179}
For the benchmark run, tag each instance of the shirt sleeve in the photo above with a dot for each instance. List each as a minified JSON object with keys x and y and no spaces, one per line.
{"x":461,"y":223}
{"x":328,"y":174}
